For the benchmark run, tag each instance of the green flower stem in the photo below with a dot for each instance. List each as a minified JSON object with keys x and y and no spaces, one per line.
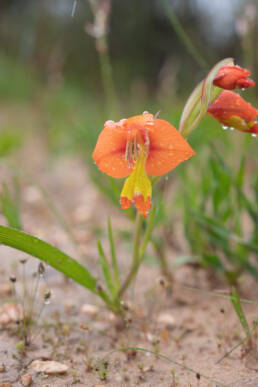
{"x":147,"y":233}
{"x":136,"y":255}
{"x":179,"y":30}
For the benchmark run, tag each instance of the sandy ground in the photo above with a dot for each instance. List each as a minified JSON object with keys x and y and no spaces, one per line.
{"x":197,"y":330}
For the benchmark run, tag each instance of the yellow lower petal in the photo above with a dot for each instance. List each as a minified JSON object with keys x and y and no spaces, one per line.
{"x":239,"y":123}
{"x":137,"y":187}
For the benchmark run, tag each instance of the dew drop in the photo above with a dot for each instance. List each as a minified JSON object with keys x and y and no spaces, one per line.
{"x":224,"y":127}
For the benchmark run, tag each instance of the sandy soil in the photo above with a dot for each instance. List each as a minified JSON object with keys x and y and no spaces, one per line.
{"x":197,"y":330}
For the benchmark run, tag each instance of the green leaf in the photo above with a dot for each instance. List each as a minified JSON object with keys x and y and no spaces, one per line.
{"x":113,"y":255}
{"x":157,"y":354}
{"x":199,"y":100}
{"x":235,"y":299}
{"x":214,"y":261}
{"x":105,"y":269}
{"x":49,"y":254}
{"x":184,"y":260}
{"x":241,"y":173}
{"x":10,"y":208}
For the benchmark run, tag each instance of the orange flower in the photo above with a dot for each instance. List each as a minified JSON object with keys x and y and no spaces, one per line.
{"x":232,"y":77}
{"x":137,"y":147}
{"x":233,"y":111}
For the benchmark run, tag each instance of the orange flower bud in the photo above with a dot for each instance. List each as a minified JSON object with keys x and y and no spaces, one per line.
{"x":233,"y":111}
{"x":232,"y":77}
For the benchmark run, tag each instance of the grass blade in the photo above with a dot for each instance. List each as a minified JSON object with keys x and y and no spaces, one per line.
{"x":183,"y":36}
{"x":147,"y":234}
{"x":105,"y":269}
{"x":235,"y":299}
{"x":9,"y":208}
{"x":49,"y":254}
{"x":113,"y":255}
{"x":174,"y":362}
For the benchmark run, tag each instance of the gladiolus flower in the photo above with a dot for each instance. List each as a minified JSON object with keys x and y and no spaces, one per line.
{"x":232,"y":77}
{"x":233,"y":111}
{"x":137,"y":147}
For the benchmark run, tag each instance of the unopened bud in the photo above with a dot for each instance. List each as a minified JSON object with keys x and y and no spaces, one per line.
{"x":41,"y":269}
{"x":12,"y":278}
{"x":47,"y":294}
{"x":99,"y":287}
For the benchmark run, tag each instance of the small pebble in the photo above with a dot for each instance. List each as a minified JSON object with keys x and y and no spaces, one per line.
{"x":26,"y":380}
{"x":10,"y":313}
{"x":5,"y":289}
{"x":166,"y":319}
{"x":49,"y":367}
{"x":5,"y":384}
{"x":2,"y":368}
{"x":90,"y":310}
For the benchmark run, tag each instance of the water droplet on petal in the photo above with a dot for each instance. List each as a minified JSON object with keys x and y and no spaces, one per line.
{"x":110,"y":124}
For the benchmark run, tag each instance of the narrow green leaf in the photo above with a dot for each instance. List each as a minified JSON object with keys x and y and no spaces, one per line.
{"x":241,"y":173}
{"x":184,"y":260}
{"x":235,"y":299}
{"x":105,"y":269}
{"x":250,"y":207}
{"x":180,"y":31}
{"x":147,"y":234}
{"x":213,"y":261}
{"x":174,"y":362}
{"x":10,"y":208}
{"x":113,"y":255}
{"x":49,"y":254}
{"x":215,"y":227}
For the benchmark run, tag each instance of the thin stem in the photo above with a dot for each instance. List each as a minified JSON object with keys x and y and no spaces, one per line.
{"x":33,"y":298}
{"x":113,"y":255}
{"x":147,"y":233}
{"x":23,"y":303}
{"x":179,"y":30}
{"x":106,"y":73}
{"x":101,"y":16}
{"x":136,"y":255}
{"x":174,"y":362}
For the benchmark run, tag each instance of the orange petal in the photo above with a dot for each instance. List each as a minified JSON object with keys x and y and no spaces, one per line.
{"x":232,"y":77}
{"x":167,"y":149}
{"x":125,"y":203}
{"x":232,"y":110}
{"x":109,"y":153}
{"x":143,"y":206}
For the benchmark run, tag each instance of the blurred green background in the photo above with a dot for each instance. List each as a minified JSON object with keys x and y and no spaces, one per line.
{"x":66,"y":66}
